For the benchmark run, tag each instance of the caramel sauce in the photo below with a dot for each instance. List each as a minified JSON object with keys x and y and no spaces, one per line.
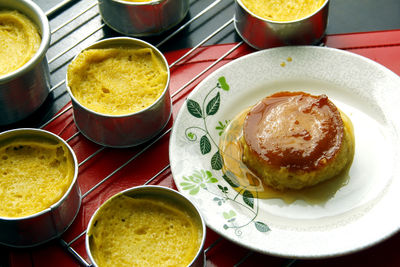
{"x":232,"y":151}
{"x":295,"y":130}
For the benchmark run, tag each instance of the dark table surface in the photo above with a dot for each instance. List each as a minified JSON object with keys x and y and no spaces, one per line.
{"x":345,"y":16}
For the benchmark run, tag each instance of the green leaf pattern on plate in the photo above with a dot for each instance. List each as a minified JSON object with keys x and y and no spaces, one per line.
{"x":222,"y":83}
{"x":205,"y":145}
{"x":213,"y":105}
{"x":216,"y":161}
{"x":201,"y":179}
{"x":194,"y":108}
{"x":197,"y":180}
{"x":221,"y":127}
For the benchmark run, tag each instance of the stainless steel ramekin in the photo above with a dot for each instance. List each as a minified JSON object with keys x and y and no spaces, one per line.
{"x":124,"y":130}
{"x":159,"y":192}
{"x":143,"y":18}
{"x":262,"y":33}
{"x":50,"y":223}
{"x":25,"y":89}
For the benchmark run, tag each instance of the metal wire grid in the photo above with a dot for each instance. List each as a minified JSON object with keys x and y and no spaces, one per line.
{"x":91,"y":10}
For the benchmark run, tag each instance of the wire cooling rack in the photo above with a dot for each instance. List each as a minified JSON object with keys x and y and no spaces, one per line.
{"x":77,"y":24}
{"x":70,"y":35}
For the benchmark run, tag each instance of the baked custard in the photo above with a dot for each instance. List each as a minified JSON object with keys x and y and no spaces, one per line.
{"x":294,"y":140}
{"x":297,"y":127}
{"x":283,"y":10}
{"x":19,"y":40}
{"x":144,"y":231}
{"x":34,"y":174}
{"x":117,"y":81}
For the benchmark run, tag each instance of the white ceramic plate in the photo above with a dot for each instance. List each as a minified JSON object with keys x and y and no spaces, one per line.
{"x":360,"y":214}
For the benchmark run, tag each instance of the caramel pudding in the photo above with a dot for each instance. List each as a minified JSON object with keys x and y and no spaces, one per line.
{"x":144,"y":231}
{"x":19,"y":40}
{"x":290,"y":145}
{"x":117,"y":81}
{"x":294,"y":140}
{"x":283,"y":10}
{"x":34,"y":174}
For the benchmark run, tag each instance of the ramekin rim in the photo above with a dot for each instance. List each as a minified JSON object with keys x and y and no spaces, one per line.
{"x":45,"y":35}
{"x":72,"y":184}
{"x":165,"y":90}
{"x":239,"y":2}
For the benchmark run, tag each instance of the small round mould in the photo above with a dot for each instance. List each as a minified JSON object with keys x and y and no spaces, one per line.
{"x":139,"y":19}
{"x":262,"y":33}
{"x":128,"y":129}
{"x":24,"y":90}
{"x":165,"y":197}
{"x":50,"y":223}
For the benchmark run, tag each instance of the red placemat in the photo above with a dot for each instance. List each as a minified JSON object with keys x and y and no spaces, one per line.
{"x":145,"y":162}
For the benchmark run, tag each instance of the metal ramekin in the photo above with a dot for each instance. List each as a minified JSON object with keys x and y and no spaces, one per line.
{"x":124,"y":130}
{"x":159,"y":192}
{"x":262,"y":33}
{"x":25,"y":89}
{"x":143,"y":18}
{"x":50,"y":223}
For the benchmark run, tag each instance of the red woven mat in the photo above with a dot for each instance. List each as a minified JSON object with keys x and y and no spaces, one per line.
{"x":383,"y":47}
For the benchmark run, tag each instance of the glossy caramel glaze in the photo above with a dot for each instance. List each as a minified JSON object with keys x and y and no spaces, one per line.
{"x":294,"y":130}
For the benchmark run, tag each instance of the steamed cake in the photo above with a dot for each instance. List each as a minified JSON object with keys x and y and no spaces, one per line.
{"x":143,"y":232}
{"x":34,"y":174}
{"x":19,"y":40}
{"x":294,"y":140}
{"x":283,"y":10}
{"x":118,"y":80}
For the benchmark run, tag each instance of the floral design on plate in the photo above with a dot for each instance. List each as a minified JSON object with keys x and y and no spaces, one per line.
{"x":198,"y":180}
